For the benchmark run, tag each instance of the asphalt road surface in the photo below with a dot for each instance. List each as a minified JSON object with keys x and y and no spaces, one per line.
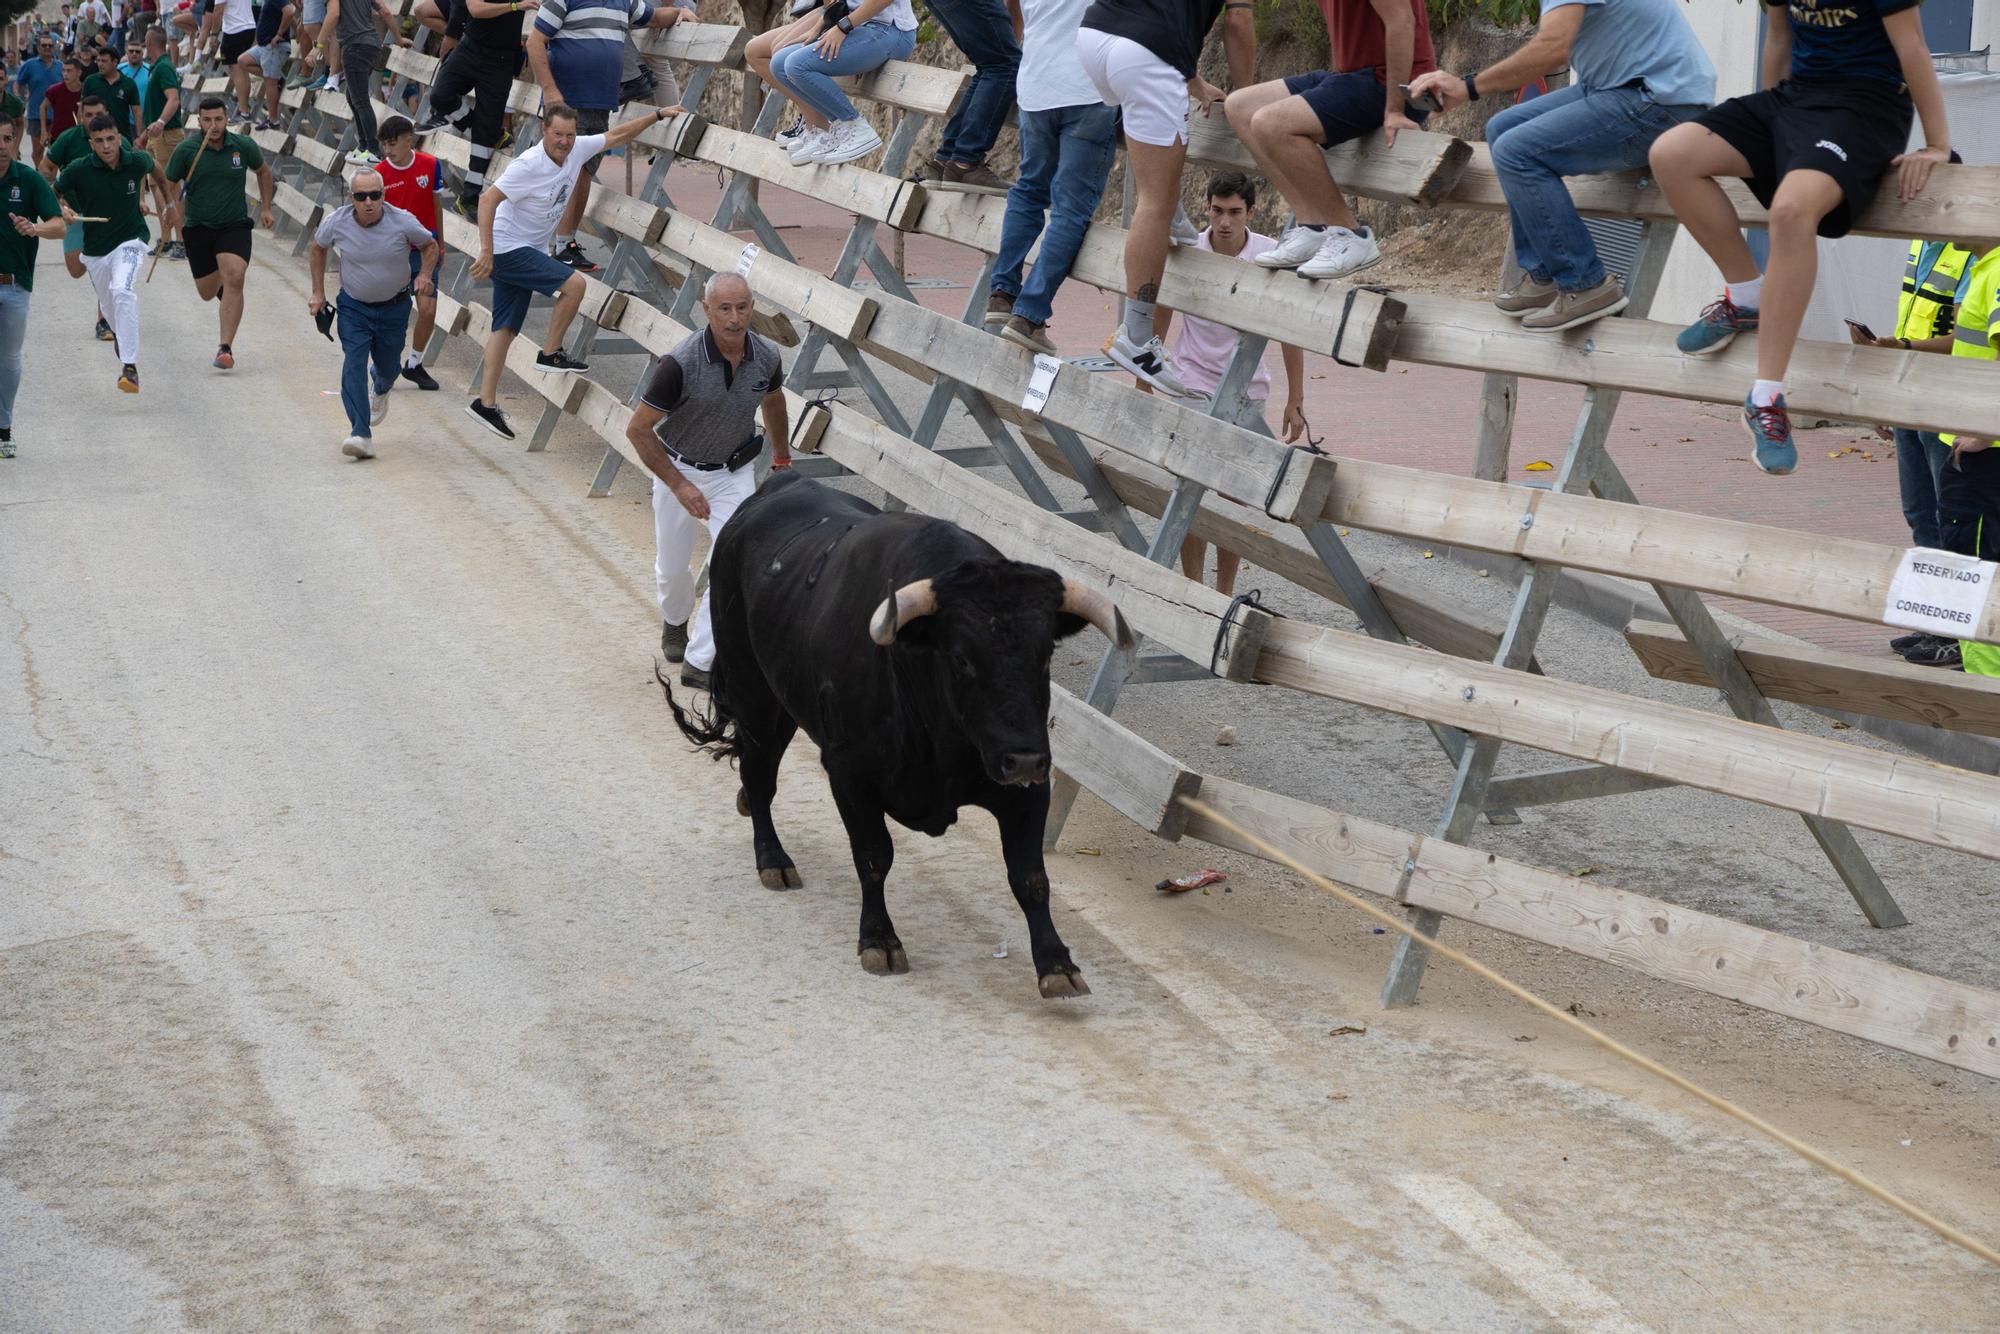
{"x":375,"y":954}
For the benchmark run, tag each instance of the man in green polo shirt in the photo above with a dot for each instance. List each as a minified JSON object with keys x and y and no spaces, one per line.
{"x":70,"y":146}
{"x":33,"y":214}
{"x":110,"y":184}
{"x":120,"y":94}
{"x":215,"y":221}
{"x":160,"y":117}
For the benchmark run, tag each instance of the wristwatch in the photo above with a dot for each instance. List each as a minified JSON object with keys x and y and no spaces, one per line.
{"x":845,"y":25}
{"x":1472,"y":87}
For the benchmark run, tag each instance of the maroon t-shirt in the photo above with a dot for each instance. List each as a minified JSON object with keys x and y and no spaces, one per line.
{"x":62,"y":108}
{"x":1354,"y":30}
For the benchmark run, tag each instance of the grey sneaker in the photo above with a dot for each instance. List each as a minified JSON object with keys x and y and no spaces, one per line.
{"x":1570,"y":309}
{"x":999,"y":309}
{"x":1035,"y":337}
{"x":1526,"y":296}
{"x":674,"y":641}
{"x":6,"y":442}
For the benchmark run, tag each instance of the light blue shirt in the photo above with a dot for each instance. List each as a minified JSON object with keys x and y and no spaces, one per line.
{"x":1649,"y":41}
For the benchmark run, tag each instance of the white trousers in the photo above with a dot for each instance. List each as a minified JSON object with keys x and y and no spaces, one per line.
{"x":115,"y":276}
{"x":673,"y":535}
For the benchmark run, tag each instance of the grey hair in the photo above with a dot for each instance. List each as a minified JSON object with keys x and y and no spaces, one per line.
{"x":355,"y":179}
{"x":715,"y":280}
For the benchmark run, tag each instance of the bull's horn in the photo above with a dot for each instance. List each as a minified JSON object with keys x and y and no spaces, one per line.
{"x":1099,"y":610}
{"x":905,"y":605}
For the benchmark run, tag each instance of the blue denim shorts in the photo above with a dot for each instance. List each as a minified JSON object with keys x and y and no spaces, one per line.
{"x":1348,"y":105}
{"x":517,"y":275}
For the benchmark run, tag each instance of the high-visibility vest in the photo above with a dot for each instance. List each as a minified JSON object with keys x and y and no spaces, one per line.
{"x":1933,"y":282}
{"x":1972,"y":336}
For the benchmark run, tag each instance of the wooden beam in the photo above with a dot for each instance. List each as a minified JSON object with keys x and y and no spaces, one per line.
{"x":1892,"y":794}
{"x":1927,"y":1016}
{"x":841,"y":311}
{"x":871,"y":194}
{"x":1421,"y":168}
{"x":1132,"y":775}
{"x":1827,"y":679}
{"x":320,"y":157}
{"x":296,"y":206}
{"x":716,"y":44}
{"x":925,"y":89}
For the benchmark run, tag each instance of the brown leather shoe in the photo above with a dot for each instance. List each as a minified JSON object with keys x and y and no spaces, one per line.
{"x":1035,"y":337}
{"x":976,"y":179}
{"x":1526,"y":296}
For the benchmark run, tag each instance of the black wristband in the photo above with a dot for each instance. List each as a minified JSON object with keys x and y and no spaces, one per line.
{"x":1472,"y":87}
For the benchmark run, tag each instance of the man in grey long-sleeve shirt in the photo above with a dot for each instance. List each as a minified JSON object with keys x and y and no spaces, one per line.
{"x":385,"y":254}
{"x":697,"y":416}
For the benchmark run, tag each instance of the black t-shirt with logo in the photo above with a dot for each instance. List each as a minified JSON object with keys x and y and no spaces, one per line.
{"x":1841,"y":39}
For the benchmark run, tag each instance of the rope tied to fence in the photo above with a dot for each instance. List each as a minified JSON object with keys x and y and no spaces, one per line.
{"x":1253,"y":598}
{"x":1271,"y":852}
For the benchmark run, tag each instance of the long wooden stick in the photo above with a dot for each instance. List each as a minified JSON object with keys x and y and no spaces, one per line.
{"x":1610,"y":1044}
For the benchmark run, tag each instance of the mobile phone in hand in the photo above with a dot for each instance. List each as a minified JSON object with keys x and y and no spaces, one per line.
{"x":1423,"y":102}
{"x":1861,"y":329}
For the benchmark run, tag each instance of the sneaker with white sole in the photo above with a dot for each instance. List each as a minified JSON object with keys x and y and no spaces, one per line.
{"x":999,"y":309}
{"x":1294,"y":248}
{"x":1182,"y":231}
{"x":1025,"y":332}
{"x":1149,"y":361}
{"x":847,"y":141}
{"x":358,"y":447}
{"x":361,"y":157}
{"x":1526,"y":297}
{"x":1571,"y":309}
{"x":378,"y":407}
{"x":792,"y":133}
{"x":805,"y":148}
{"x":1343,"y":252}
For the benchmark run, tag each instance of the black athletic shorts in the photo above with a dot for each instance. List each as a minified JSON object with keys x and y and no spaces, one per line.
{"x":1848,"y":128}
{"x":205,"y":243}
{"x":235,"y":44}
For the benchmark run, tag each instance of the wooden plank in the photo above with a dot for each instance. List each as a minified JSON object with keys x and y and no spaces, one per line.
{"x":1827,"y":679}
{"x":1284,"y":552}
{"x":1838,"y":380}
{"x":275,"y":143}
{"x":715,"y":44}
{"x":924,"y":89}
{"x":841,"y":311}
{"x":847,"y":187}
{"x":1892,"y":794}
{"x":296,"y":206}
{"x":320,"y":157}
{"x":1129,"y":773}
{"x":1422,"y":168}
{"x":626,"y":215}
{"x":1183,"y":616}
{"x":1927,"y":1016}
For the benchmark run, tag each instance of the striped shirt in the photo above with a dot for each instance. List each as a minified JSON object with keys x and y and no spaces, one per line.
{"x":587,"y":46}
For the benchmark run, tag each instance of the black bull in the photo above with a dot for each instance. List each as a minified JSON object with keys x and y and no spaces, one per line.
{"x":917,"y":657}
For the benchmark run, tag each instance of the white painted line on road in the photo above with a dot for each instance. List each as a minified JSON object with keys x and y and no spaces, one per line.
{"x":1528,"y":1264}
{"x":1219,"y":1009}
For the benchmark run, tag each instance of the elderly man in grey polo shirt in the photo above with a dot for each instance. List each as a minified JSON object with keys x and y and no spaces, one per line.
{"x":695,"y":427}
{"x":385,"y":254}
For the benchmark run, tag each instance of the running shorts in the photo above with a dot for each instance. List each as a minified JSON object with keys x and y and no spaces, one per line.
{"x":1150,"y":93}
{"x":205,"y":243}
{"x":1848,"y":128}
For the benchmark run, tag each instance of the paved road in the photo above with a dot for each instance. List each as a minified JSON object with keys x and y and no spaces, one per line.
{"x":374,"y":954}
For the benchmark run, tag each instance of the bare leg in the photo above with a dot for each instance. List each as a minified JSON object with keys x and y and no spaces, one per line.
{"x":1287,"y":135}
{"x":427,"y":314}
{"x":1685,"y":161}
{"x":1803,"y":198}
{"x":1194,"y":556}
{"x":1156,"y":176}
{"x":230,"y":269}
{"x":497,"y":344}
{"x":569,"y":299}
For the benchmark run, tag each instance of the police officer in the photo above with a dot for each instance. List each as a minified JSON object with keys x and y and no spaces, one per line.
{"x":695,"y":428}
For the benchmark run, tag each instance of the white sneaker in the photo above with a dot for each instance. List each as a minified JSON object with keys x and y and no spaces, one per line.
{"x":358,"y":447}
{"x":1343,"y":252}
{"x":361,"y":157}
{"x":793,"y":132}
{"x":807,"y":145}
{"x":378,"y":408}
{"x":1150,"y":362}
{"x":1181,"y":231}
{"x":1294,"y":248}
{"x":850,"y":139}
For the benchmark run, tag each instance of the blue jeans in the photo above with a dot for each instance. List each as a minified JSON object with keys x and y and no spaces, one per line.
{"x":1569,"y":132}
{"x":369,"y":333}
{"x":982,"y":30}
{"x":1066,"y":155}
{"x":806,"y":75}
{"x":13,"y":333}
{"x":1920,"y":458}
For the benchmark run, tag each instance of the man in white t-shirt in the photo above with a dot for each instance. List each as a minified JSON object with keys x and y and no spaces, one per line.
{"x":1203,"y":350}
{"x":517,"y":219}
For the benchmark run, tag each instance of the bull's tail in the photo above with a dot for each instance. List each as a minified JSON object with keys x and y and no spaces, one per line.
{"x":713,"y":730}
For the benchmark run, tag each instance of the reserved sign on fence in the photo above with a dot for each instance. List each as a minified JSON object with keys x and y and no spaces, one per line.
{"x":1040,"y":382}
{"x":1940,"y":591}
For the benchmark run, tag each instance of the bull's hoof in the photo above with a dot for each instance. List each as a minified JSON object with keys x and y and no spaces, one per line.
{"x":1062,"y":986}
{"x":742,"y":804}
{"x":883,"y":961}
{"x":779,"y":877}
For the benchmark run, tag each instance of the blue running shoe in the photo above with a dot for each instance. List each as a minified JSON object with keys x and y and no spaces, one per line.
{"x":1771,"y":433}
{"x":1717,"y":327}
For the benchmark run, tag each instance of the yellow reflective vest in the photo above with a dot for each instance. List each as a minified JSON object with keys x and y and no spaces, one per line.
{"x":1972,"y":336}
{"x":1933,"y":283}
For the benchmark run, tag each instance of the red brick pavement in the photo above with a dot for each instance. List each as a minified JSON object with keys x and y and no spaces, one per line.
{"x":1676,"y":454}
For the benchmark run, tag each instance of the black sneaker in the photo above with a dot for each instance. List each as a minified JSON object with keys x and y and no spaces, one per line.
{"x":434,"y":121}
{"x":572,"y":255}
{"x":104,"y":334}
{"x":492,"y":418}
{"x":128,"y":378}
{"x":419,"y":377}
{"x":693,"y":677}
{"x":1941,"y":653}
{"x":559,"y":362}
{"x":1904,"y":643}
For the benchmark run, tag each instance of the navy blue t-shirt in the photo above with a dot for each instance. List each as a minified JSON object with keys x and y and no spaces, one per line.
{"x":1842,"y":39}
{"x":268,"y":19}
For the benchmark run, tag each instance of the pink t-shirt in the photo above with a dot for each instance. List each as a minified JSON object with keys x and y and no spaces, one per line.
{"x":1203,"y":348}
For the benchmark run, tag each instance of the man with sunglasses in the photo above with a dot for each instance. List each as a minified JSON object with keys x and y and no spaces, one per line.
{"x":374,"y":239}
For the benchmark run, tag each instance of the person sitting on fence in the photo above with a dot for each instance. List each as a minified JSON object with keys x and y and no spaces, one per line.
{"x":867,"y":37}
{"x":374,"y":239}
{"x":352,"y":25}
{"x":517,"y":218}
{"x":577,"y":50}
{"x":412,"y":182}
{"x":483,"y":64}
{"x":312,"y":21}
{"x":1376,"y":46}
{"x":1140,"y":55}
{"x":695,"y":428}
{"x":1636,"y":71}
{"x":1968,"y":485}
{"x":984,"y":31}
{"x":757,"y":55}
{"x":267,"y":58}
{"x":1840,"y":83}
{"x":1936,"y":277}
{"x":1068,"y":141}
{"x":1204,"y":348}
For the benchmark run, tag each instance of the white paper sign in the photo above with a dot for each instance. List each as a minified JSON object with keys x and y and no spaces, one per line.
{"x":746,"y":259}
{"x":1940,"y":592}
{"x":1041,"y":382}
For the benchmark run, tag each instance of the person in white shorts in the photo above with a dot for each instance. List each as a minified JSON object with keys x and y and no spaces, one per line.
{"x":1141,"y":56}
